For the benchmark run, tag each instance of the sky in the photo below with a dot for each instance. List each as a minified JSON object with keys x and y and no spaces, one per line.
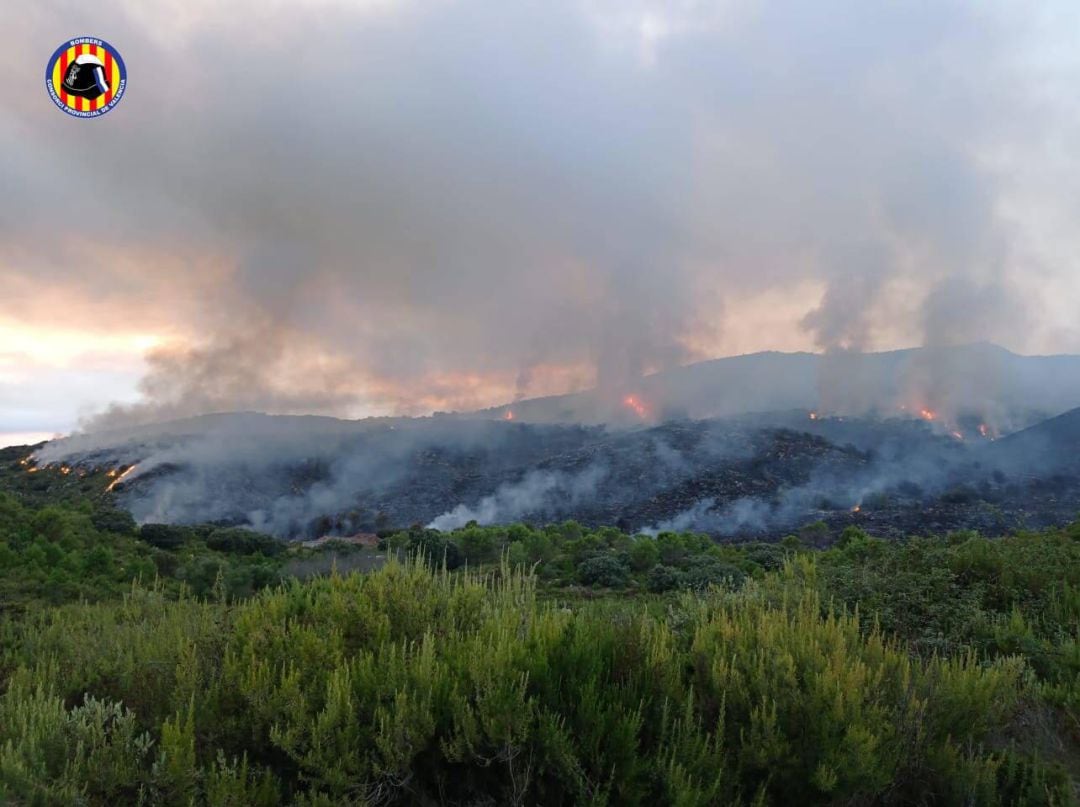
{"x":396,"y":207}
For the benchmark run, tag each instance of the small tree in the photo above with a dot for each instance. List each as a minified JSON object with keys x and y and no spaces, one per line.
{"x":164,"y":536}
{"x":607,"y":569}
{"x":644,"y":553}
{"x":663,"y":578}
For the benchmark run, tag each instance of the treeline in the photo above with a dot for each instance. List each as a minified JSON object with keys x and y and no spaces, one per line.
{"x":569,"y":554}
{"x":63,"y":539}
{"x":88,"y":551}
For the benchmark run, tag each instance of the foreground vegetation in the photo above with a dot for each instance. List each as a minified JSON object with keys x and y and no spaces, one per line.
{"x":551,"y":665}
{"x":417,"y":685}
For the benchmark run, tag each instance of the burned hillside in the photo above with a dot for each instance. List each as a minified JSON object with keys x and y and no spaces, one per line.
{"x":754,"y":475}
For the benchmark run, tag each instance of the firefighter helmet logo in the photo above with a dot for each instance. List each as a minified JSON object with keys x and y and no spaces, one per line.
{"x":86,"y":77}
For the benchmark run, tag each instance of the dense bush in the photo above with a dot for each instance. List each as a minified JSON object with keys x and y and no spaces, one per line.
{"x":604,"y":569}
{"x":712,"y":572}
{"x":110,"y":519}
{"x":940,"y":670}
{"x":605,"y":557}
{"x":244,"y":542}
{"x":64,"y":552}
{"x":1019,"y":594}
{"x":664,"y":578}
{"x":433,"y":546}
{"x":410,"y":685}
{"x":165,"y":536}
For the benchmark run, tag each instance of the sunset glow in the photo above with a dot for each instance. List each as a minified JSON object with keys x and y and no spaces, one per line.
{"x":468,"y":260}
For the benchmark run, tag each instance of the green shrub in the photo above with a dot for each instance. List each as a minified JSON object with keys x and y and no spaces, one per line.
{"x":712,"y":572}
{"x":643,"y":553}
{"x":113,"y":520}
{"x":606,"y":569}
{"x":241,"y":541}
{"x":415,"y":685}
{"x":663,"y":578}
{"x":165,"y":536}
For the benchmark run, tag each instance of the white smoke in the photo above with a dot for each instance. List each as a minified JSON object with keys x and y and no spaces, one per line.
{"x":537,"y":491}
{"x":689,"y":519}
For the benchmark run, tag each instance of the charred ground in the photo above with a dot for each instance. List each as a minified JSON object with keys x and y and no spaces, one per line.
{"x":751,"y":476}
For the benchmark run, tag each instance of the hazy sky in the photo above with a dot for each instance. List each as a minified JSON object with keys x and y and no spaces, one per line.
{"x":373,"y":207}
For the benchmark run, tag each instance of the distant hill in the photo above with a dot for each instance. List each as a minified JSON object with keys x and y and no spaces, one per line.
{"x":1053,"y":445}
{"x":725,"y":446}
{"x":982,"y":379}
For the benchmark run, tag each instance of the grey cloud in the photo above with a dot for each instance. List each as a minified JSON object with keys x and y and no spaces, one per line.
{"x":484,"y":187}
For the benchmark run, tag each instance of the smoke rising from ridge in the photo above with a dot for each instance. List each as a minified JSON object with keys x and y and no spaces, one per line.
{"x":446,"y":206}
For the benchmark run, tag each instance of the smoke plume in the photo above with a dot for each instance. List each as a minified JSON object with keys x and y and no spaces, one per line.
{"x":395,"y":207}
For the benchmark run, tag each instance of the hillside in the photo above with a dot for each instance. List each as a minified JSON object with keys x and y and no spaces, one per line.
{"x":519,"y":663}
{"x":901,"y":441}
{"x":1051,"y":446}
{"x":758,"y":475}
{"x":985,"y":379}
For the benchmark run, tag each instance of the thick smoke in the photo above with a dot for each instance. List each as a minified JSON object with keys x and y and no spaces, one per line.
{"x":264,"y":367}
{"x":472,"y":202}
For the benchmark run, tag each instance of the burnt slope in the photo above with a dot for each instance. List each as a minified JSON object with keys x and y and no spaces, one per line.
{"x":1047,"y":447}
{"x":298,"y":478}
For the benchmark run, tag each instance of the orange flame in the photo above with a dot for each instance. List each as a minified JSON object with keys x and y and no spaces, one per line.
{"x":120,"y":478}
{"x":958,"y":435}
{"x":639,"y":408}
{"x":509,"y":415}
{"x":857,"y":508}
{"x":813,"y":416}
{"x":927,"y":414}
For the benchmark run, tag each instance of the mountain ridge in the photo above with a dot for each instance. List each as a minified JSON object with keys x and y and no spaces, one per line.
{"x":980,"y":376}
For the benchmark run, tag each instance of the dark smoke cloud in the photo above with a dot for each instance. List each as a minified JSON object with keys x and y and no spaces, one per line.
{"x":417,"y":206}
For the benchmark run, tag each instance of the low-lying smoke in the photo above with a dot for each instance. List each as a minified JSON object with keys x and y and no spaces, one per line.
{"x":539,"y":493}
